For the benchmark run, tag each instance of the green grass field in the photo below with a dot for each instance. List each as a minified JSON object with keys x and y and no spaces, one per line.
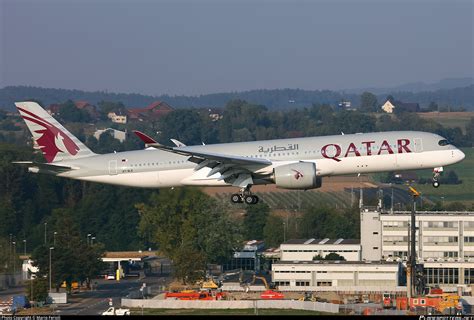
{"x":237,"y":312}
{"x":463,"y":192}
{"x":449,"y":119}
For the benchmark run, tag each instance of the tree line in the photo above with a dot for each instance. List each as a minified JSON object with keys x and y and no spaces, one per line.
{"x":276,"y":99}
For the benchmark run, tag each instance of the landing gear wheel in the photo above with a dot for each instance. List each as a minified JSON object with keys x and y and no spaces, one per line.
{"x":255,"y":200}
{"x":249,"y":199}
{"x":436,"y":183}
{"x":235,"y":198}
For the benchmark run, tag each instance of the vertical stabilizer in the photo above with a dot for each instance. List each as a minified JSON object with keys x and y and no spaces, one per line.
{"x":55,"y":141}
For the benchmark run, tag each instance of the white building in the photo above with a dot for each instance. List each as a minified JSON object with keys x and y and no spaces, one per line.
{"x":388,"y":107}
{"x":446,"y":251}
{"x":117,"y":118}
{"x":345,"y":275}
{"x":444,"y":235}
{"x":28,"y":270}
{"x":446,"y":248}
{"x":307,"y":249}
{"x":116,"y":134}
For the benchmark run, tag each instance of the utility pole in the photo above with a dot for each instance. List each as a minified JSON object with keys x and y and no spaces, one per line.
{"x":50,"y":273}
{"x":14,"y":257}
{"x":45,"y":225}
{"x":411,"y":266}
{"x":391,"y":206}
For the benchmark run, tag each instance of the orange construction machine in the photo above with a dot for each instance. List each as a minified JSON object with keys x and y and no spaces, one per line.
{"x":195,"y":295}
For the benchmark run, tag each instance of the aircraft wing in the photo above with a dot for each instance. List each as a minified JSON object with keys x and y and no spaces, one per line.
{"x":196,"y":156}
{"x":149,"y":140}
{"x":236,"y":170}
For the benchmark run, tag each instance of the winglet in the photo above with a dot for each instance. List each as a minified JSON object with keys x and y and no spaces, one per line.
{"x":178,"y":143}
{"x":143,"y":137}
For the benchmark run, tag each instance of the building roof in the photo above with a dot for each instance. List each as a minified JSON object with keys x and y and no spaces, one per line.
{"x":407,"y":106}
{"x":155,"y":109}
{"x":336,"y":262}
{"x":431,"y":213}
{"x":81,"y":104}
{"x":54,"y":108}
{"x":325,"y":241}
{"x":128,"y":254}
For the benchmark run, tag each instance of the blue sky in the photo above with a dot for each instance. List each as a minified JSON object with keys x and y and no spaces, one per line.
{"x":198,"y":47}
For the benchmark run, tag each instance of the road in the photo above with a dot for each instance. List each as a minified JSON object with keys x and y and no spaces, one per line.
{"x":96,"y":301}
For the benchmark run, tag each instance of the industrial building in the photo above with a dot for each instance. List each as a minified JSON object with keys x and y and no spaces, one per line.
{"x":248,"y":258}
{"x":446,"y":251}
{"x":312,"y":275}
{"x":446,"y":248}
{"x":307,"y":249}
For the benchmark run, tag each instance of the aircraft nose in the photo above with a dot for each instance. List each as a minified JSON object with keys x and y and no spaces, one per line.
{"x":459,"y":155}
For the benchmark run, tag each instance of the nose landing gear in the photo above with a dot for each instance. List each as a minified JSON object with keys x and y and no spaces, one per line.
{"x":244,"y":196}
{"x":436,"y":173}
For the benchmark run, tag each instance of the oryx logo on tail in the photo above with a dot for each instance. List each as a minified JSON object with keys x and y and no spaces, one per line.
{"x":50,"y":138}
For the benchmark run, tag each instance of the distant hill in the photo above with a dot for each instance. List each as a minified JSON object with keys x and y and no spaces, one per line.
{"x":414,"y":87}
{"x":277,"y":99}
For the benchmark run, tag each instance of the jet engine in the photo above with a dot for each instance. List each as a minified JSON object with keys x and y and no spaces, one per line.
{"x":298,"y":175}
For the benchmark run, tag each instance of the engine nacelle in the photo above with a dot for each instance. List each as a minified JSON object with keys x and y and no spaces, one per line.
{"x":298,"y":175}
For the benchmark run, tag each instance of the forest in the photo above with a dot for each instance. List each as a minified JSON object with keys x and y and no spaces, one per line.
{"x":275,"y":99}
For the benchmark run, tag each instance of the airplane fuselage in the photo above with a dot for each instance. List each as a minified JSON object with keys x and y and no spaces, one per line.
{"x":332,"y":155}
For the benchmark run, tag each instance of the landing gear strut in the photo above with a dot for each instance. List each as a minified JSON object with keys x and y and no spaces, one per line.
{"x":436,"y":174}
{"x":244,"y":196}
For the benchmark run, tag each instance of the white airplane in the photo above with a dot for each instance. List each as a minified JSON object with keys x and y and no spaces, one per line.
{"x":298,"y":163}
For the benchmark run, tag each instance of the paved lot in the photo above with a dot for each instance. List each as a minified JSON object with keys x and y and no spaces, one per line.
{"x":97,"y":301}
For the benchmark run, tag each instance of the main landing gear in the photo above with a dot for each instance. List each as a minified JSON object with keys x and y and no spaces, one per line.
{"x":436,"y":174}
{"x":244,"y":196}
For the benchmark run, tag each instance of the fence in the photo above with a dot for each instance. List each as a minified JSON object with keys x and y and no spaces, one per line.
{"x":8,"y":280}
{"x":242,"y":304}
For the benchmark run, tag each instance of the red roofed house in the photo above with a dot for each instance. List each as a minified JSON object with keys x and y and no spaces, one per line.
{"x":154,"y":111}
{"x":84,"y":105}
{"x":55,"y":108}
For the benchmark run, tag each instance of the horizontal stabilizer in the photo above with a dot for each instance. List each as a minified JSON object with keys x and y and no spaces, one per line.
{"x":45,"y":166}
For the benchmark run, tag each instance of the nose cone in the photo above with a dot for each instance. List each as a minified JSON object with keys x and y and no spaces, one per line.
{"x":459,"y":155}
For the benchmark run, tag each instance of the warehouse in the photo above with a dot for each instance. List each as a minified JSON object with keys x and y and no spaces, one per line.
{"x":311,"y":275}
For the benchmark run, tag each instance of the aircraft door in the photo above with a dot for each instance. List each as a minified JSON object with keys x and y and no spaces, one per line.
{"x":113,"y":167}
{"x":418,"y":145}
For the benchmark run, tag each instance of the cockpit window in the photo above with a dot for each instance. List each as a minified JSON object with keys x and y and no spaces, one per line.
{"x":443,"y":142}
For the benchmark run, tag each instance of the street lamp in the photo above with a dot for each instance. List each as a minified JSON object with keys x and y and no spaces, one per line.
{"x":50,"y":250}
{"x":45,"y":225}
{"x":14,"y":257}
{"x":92,"y":240}
{"x":54,"y":238}
{"x":24,"y":247}
{"x":88,"y":238}
{"x":284,"y":232}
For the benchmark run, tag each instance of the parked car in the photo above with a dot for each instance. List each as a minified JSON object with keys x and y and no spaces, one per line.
{"x":116,"y":312}
{"x":110,"y":276}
